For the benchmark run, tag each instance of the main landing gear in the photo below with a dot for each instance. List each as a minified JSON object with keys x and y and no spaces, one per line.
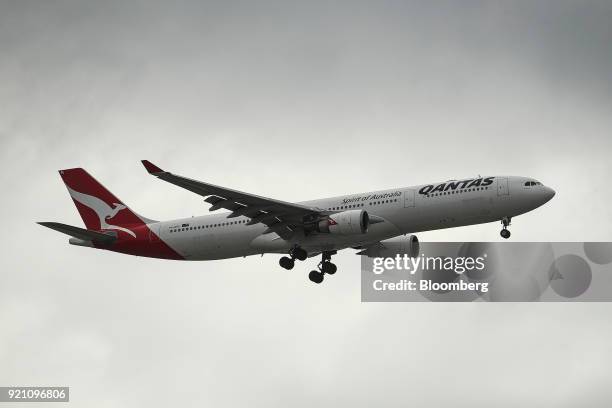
{"x":298,"y":253}
{"x":505,"y":233}
{"x":325,"y":267}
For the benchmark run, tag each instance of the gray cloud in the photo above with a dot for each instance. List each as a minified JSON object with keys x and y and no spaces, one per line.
{"x":295,"y":101}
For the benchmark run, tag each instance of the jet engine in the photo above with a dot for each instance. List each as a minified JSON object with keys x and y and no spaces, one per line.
{"x":408,"y":245}
{"x":345,"y":223}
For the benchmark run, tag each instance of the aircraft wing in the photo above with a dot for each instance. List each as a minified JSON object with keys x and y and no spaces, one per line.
{"x":280,"y":216}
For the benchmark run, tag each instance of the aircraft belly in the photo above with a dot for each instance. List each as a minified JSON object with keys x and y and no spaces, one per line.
{"x":431,"y":214}
{"x":211,"y":245}
{"x":221,"y":245}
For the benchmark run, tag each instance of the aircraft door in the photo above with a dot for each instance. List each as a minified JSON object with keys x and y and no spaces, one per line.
{"x":409,"y":198}
{"x":502,"y":186}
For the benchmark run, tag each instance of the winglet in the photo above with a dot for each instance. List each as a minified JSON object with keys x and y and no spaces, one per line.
{"x":151,"y":168}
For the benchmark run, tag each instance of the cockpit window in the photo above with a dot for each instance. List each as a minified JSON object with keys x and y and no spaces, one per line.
{"x":532,"y":183}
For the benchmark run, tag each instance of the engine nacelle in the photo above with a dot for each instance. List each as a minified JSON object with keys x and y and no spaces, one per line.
{"x":408,"y":245}
{"x":345,"y":223}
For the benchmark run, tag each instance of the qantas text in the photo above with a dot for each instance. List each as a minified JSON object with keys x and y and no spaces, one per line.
{"x":454,"y":185}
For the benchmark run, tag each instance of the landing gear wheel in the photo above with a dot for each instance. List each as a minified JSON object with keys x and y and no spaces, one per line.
{"x":315,"y":276}
{"x":505,"y":233}
{"x":328,"y":268}
{"x":286,"y":262}
{"x":299,"y":253}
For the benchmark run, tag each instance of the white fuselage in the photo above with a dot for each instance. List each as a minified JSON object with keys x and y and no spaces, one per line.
{"x":403,"y":210}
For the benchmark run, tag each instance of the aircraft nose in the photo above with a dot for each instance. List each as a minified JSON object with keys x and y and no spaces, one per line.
{"x":549,"y":193}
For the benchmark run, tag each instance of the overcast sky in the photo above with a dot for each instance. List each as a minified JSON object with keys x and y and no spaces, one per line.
{"x":296,"y":101}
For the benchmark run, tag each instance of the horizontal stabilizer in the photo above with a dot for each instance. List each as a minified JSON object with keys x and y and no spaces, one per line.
{"x":80,"y":233}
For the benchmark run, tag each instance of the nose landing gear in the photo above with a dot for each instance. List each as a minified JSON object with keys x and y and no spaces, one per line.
{"x":288,"y":262}
{"x":505,"y":233}
{"x":325,"y":267}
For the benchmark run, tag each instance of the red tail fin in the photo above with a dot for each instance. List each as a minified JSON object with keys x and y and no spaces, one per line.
{"x":98,"y":207}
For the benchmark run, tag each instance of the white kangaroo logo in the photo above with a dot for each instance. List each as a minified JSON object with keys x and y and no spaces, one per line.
{"x":103,"y":210}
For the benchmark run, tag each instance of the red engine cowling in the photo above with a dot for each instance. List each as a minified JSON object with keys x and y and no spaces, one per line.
{"x":346,"y":223}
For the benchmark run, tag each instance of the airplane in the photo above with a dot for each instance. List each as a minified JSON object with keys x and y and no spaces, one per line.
{"x":257,"y":225}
